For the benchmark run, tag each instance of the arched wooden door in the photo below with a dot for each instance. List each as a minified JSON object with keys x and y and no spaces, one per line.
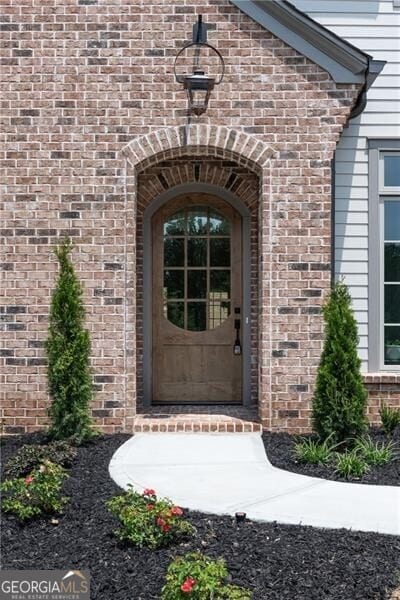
{"x":197,"y":301}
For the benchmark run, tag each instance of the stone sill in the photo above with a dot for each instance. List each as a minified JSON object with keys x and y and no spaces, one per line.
{"x":382,"y":377}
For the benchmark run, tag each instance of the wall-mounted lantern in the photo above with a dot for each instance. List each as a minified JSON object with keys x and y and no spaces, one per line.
{"x":198,"y":85}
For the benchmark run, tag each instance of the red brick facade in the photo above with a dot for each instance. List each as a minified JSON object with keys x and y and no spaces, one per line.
{"x":92,"y":116}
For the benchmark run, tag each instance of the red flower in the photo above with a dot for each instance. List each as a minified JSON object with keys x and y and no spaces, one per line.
{"x":28,"y":480}
{"x":188,"y":585}
{"x":149,"y":492}
{"x":176,"y":511}
{"x":163,"y":525}
{"x":149,"y":506}
{"x":160,"y":522}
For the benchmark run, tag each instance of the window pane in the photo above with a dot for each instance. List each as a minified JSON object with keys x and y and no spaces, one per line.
{"x":197,"y":221}
{"x":220,"y":285}
{"x":391,"y":173}
{"x":218,"y":312}
{"x":197,"y":252}
{"x":197,"y":284}
{"x":392,"y":220}
{"x":392,"y":303}
{"x":392,"y":345}
{"x":392,"y":262}
{"x":174,"y":284}
{"x":197,"y":261}
{"x":196,"y":317}
{"x":219,"y":225}
{"x":175,"y":313}
{"x":174,"y":252}
{"x":220,"y":252}
{"x":175,"y":224}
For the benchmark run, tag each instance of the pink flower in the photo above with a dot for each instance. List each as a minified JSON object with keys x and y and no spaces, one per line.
{"x":149,"y":506}
{"x":188,"y":585}
{"x":28,"y":480}
{"x":149,"y":492}
{"x":176,"y":511}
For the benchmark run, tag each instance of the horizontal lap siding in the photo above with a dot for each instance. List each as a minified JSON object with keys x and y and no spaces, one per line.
{"x":373,"y":27}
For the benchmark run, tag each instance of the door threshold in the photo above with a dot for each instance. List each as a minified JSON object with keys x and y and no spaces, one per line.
{"x":200,"y":403}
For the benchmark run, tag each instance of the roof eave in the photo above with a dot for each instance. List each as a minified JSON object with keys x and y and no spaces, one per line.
{"x":343,"y":61}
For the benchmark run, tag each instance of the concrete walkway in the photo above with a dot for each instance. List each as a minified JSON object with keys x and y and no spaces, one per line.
{"x":226,"y":473}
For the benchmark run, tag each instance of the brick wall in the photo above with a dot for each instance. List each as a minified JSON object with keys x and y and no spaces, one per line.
{"x":383,"y":389}
{"x":82,"y":80}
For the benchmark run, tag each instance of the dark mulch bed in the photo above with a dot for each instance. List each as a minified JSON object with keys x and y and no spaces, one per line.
{"x":279,"y":448}
{"x":275,"y":561}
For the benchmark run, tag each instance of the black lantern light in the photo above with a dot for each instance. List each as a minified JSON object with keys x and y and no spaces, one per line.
{"x":198,"y":85}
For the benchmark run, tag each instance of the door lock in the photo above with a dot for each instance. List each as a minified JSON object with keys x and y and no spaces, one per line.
{"x":237,"y":347}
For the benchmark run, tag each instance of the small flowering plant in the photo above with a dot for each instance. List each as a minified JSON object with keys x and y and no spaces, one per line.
{"x":147,"y":520}
{"x":31,"y":456}
{"x":199,"y":577}
{"x":36,"y":494}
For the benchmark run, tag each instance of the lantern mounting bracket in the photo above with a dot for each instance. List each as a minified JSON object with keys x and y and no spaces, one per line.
{"x":200,"y":30}
{"x":181,"y":78}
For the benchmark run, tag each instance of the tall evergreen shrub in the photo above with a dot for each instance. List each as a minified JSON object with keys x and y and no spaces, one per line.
{"x":340,"y":398}
{"x":68,"y":352}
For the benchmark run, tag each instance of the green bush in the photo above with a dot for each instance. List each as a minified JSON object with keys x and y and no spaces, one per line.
{"x":36,"y":494}
{"x":351,"y":464}
{"x":30,"y":456}
{"x":148,"y":521}
{"x":374,"y":453}
{"x":390,"y":418}
{"x":340,"y":398}
{"x":199,"y":577}
{"x":68,"y":353}
{"x":314,"y":452}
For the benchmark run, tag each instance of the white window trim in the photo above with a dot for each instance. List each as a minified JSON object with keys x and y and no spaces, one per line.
{"x":394,"y":190}
{"x":382,"y":200}
{"x":377,"y":196}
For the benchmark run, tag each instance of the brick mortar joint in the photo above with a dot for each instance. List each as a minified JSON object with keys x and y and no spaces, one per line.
{"x":381,"y":378}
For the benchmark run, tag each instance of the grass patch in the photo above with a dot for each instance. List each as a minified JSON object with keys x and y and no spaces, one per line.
{"x":308,"y":450}
{"x":351,"y":464}
{"x":375,"y":453}
{"x":390,"y":418}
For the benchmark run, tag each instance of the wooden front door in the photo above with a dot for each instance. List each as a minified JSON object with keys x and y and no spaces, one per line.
{"x":197,"y":301}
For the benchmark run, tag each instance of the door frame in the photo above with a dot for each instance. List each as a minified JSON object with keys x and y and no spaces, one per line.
{"x":158,"y":202}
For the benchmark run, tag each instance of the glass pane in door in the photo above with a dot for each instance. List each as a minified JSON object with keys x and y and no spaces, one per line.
{"x":197,"y":268}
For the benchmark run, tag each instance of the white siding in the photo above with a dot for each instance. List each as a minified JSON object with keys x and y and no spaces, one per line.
{"x":372,"y":26}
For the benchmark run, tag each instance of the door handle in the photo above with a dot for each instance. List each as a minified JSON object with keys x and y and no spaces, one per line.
{"x":237,"y":347}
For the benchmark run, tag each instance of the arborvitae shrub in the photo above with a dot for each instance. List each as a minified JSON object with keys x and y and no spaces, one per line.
{"x":340,"y":398}
{"x":68,"y":353}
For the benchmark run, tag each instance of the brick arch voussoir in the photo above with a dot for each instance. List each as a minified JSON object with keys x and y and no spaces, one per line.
{"x":166,"y":175}
{"x":212,"y":140}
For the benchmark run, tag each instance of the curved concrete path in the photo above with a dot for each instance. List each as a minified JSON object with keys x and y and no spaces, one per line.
{"x":225,"y":473}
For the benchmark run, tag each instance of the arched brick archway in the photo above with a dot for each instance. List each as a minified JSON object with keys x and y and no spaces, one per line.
{"x":190,"y":140}
{"x":234,"y":159}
